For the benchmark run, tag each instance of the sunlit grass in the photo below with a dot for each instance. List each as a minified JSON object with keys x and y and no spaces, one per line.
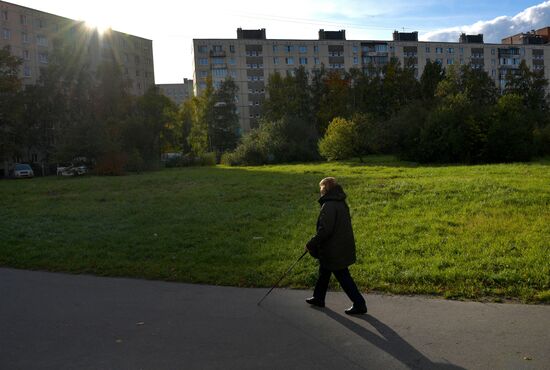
{"x":454,"y":231}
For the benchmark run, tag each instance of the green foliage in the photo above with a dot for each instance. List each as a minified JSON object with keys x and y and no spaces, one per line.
{"x":10,"y":105}
{"x":339,"y":140}
{"x":289,"y":139}
{"x":223,"y":133}
{"x":510,"y":136}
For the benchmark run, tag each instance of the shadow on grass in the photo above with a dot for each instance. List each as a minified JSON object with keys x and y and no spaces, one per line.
{"x":391,"y":342}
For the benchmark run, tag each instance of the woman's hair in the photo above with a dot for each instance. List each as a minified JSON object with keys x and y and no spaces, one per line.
{"x":328,"y":182}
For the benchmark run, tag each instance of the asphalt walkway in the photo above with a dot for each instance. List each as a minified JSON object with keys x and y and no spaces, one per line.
{"x":59,"y":321}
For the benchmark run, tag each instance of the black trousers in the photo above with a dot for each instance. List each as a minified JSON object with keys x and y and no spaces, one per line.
{"x":346,"y":282}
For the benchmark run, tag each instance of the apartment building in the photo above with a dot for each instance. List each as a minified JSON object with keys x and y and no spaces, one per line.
{"x":31,"y":35}
{"x":252,"y":57}
{"x":178,"y":93}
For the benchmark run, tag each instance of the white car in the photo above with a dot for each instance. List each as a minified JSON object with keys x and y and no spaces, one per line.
{"x":22,"y":170}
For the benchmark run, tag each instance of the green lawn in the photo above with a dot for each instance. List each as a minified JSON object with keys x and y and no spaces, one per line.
{"x":454,"y":231}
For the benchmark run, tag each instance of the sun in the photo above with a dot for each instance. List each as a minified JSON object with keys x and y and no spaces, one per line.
{"x":97,"y":23}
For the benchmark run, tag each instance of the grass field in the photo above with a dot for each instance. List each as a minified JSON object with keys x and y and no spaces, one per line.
{"x":456,"y":231}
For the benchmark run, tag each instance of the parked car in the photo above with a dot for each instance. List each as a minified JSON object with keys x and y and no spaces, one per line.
{"x":22,"y":170}
{"x":71,"y":170}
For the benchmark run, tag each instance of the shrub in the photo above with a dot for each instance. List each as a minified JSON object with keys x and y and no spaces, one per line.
{"x":286,"y":140}
{"x":338,"y":142}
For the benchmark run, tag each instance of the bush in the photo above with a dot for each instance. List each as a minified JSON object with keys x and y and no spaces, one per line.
{"x":510,"y":136}
{"x":338,"y":142}
{"x":542,"y":140}
{"x":286,"y":140}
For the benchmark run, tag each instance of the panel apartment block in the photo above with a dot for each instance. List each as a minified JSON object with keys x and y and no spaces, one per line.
{"x":31,"y":35}
{"x":251,"y":58}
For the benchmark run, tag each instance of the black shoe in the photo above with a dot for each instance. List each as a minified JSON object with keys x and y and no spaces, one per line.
{"x":357,"y":310}
{"x":315,"y":302}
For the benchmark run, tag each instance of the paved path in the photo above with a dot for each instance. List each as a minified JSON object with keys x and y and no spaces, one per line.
{"x":58,"y":321}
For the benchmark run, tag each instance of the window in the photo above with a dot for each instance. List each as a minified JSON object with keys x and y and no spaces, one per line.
{"x":439,"y":50}
{"x":203,"y":61}
{"x":275,"y":60}
{"x":202,"y":48}
{"x":492,"y":51}
{"x":232,"y":61}
{"x":439,"y":60}
{"x":6,"y":34}
{"x":43,"y":58}
{"x":493,"y":73}
{"x":303,"y":49}
{"x":218,"y":61}
{"x":461,"y":50}
{"x":217,"y":48}
{"x":355,"y":60}
{"x":303,"y":61}
{"x":381,"y":48}
{"x":275,"y":48}
{"x":41,"y":23}
{"x":355,"y":49}
{"x":137,"y":72}
{"x":233,"y":74}
{"x":26,"y":55}
{"x":41,"y":40}
{"x":202,"y":85}
{"x":316,"y":61}
{"x":493,"y":62}
{"x":136,"y":59}
{"x":427,"y":49}
{"x":4,"y":15}
{"x":23,"y":19}
{"x":219,"y":72}
{"x":232,"y":48}
{"x":289,"y":48}
{"x":450,"y":61}
{"x":316,"y":49}
{"x":450,"y":50}
{"x":289,"y":60}
{"x":25,"y":37}
{"x":27,"y":71}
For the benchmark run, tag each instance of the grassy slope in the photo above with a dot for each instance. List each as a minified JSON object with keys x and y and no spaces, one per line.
{"x":457,"y":231}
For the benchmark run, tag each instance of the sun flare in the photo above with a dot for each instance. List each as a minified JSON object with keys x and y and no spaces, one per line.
{"x":97,"y":23}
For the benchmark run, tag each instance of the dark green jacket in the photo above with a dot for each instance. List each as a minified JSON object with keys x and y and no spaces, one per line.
{"x":333,"y":244}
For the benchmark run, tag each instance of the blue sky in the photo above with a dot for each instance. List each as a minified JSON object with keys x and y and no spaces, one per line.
{"x":173,"y":24}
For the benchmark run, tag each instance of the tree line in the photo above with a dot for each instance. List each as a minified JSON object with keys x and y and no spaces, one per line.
{"x":453,"y":115}
{"x":74,"y":113}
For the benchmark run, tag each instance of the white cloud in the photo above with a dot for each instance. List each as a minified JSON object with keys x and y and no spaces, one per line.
{"x":494,"y":30}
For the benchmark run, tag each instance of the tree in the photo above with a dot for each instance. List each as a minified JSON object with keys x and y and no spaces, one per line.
{"x":204,"y":113}
{"x":510,"y":136}
{"x":432,"y":75}
{"x":10,"y":106}
{"x":224,"y":129}
{"x":341,"y":140}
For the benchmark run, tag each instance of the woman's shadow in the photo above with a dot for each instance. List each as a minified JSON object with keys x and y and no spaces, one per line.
{"x":391,"y":342}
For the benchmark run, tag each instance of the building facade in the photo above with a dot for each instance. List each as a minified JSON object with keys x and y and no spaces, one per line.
{"x":178,"y":93}
{"x":31,"y":35}
{"x":251,"y":58}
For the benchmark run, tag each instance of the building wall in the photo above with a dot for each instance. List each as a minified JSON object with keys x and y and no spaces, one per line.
{"x":31,"y":35}
{"x":250,"y":61}
{"x":178,"y":93}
